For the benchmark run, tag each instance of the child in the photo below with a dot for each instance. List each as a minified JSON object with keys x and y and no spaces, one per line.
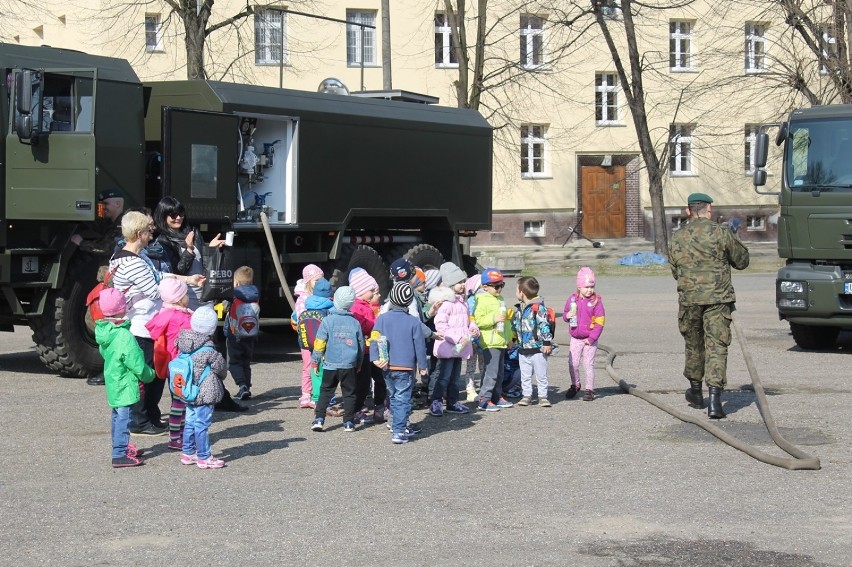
{"x":240,"y":348}
{"x":316,"y":308}
{"x":367,"y":297}
{"x":491,"y":318}
{"x":310,"y":274}
{"x":584,"y":312}
{"x":457,"y":331}
{"x":471,"y":288}
{"x":124,"y":368}
{"x":406,"y":351}
{"x":165,"y":327}
{"x":340,"y":345}
{"x":512,"y":372}
{"x":199,"y":413}
{"x":534,"y":338}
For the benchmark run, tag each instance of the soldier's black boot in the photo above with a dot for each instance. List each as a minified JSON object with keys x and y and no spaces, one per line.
{"x":714,"y":410}
{"x":695,"y":396}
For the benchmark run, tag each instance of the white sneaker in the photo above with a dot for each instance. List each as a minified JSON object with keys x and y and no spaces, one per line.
{"x":472,"y":396}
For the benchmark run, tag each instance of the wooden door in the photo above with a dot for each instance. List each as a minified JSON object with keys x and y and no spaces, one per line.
{"x":602,"y":192}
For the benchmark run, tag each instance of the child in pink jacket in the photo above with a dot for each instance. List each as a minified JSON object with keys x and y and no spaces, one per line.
{"x":165,"y":327}
{"x":304,"y":289}
{"x":584,"y":313}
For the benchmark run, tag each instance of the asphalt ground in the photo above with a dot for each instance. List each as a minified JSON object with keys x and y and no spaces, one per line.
{"x":613,"y":482}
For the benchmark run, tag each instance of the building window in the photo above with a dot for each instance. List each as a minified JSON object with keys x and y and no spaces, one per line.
{"x":445,"y":55}
{"x":533,"y":150}
{"x":606,"y":98}
{"x":755,"y":47}
{"x":678,"y":223}
{"x":534,"y":228}
{"x":829,"y":50}
{"x":756,"y":223}
{"x":532,"y":41}
{"x":750,"y":144}
{"x":680,"y":45}
{"x":360,"y":41}
{"x":153,"y":31}
{"x":269,"y":37}
{"x":680,"y":148}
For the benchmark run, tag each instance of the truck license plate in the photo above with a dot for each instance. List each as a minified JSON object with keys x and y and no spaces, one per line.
{"x":847,"y":288}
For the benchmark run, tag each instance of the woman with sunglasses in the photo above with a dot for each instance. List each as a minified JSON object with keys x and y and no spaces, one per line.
{"x":182,"y":243}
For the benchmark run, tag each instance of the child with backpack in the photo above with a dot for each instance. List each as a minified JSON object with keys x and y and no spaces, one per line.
{"x":165,"y":327}
{"x":304,"y":289}
{"x":584,"y":312}
{"x":197,"y":375}
{"x":316,"y":308}
{"x":535,"y":334}
{"x":124,"y":368}
{"x":242,"y":324}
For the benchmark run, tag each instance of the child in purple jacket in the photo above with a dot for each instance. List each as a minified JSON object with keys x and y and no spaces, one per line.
{"x":584,"y":313}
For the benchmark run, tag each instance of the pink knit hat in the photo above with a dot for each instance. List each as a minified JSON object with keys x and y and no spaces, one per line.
{"x":361,"y":281}
{"x":311,"y":272}
{"x":112,"y":302}
{"x":171,"y":290}
{"x":585,"y":277}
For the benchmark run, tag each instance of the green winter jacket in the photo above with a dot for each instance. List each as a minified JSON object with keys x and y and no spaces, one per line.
{"x":124,"y":363}
{"x":701,"y":256}
{"x":487,"y":308}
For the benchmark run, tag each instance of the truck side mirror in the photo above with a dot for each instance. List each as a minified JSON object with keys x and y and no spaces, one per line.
{"x":759,"y":177}
{"x":24,"y":92}
{"x":761,"y":151}
{"x":24,"y":105}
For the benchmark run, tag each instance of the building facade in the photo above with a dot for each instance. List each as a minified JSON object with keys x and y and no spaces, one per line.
{"x":566,"y":149}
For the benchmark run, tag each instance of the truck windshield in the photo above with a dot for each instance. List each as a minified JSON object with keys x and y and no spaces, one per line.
{"x":819,"y":155}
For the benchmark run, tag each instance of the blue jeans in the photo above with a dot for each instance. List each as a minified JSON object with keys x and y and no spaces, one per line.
{"x":195,"y":432}
{"x":120,"y":431}
{"x":449,"y":370}
{"x":399,"y":384}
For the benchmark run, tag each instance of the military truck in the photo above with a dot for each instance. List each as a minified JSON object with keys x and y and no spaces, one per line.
{"x":814,"y":288}
{"x":343,"y":181}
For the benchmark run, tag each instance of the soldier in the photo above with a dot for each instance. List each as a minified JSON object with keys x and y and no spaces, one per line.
{"x":701,"y":255}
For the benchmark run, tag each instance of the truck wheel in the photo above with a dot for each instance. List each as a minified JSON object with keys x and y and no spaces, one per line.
{"x":814,"y":338}
{"x":424,"y":255}
{"x":64,"y":342}
{"x":367,"y":258}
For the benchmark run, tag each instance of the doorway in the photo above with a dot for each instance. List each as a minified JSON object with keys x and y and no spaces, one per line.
{"x":603,"y":196}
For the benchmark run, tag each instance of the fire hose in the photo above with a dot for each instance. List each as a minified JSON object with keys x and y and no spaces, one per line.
{"x":799,"y":461}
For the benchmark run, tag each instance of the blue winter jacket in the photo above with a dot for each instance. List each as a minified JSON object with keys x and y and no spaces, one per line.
{"x":406,"y":345}
{"x":339,"y":342}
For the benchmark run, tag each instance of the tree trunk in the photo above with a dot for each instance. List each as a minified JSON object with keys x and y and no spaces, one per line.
{"x":195,"y":23}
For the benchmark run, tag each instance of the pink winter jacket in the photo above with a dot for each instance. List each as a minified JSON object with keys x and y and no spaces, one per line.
{"x":453,"y":321}
{"x":169,"y":321}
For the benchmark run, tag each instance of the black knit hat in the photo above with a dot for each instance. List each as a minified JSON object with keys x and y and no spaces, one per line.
{"x":401,"y":294}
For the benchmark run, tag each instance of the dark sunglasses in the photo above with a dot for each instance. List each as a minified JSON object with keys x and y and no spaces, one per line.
{"x":498,"y":285}
{"x":177,"y":215}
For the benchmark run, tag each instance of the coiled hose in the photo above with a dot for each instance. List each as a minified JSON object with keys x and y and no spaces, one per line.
{"x":800,"y":460}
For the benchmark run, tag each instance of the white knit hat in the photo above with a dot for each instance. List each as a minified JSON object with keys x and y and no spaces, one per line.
{"x":204,"y":320}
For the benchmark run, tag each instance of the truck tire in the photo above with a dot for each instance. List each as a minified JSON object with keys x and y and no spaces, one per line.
{"x":424,"y":255}
{"x":814,"y":338}
{"x":63,"y":341}
{"x":364,"y":257}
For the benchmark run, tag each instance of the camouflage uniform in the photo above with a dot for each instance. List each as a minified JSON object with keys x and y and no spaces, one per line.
{"x":701,"y":255}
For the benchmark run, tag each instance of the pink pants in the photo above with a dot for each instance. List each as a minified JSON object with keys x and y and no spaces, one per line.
{"x":306,"y":372}
{"x":580,"y":350}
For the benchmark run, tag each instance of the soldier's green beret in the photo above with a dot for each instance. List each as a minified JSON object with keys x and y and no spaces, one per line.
{"x":699,"y":198}
{"x":112,"y":193}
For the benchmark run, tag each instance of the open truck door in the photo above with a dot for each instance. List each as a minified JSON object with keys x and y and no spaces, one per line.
{"x":200,"y":155}
{"x":50,"y":147}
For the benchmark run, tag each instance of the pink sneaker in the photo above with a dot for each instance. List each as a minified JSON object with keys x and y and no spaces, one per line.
{"x":306,"y":403}
{"x":211,"y":463}
{"x":188,"y":459}
{"x":134,"y":451}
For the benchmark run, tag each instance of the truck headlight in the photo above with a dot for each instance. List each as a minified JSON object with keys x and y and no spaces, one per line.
{"x":791,"y":287}
{"x":791,"y":295}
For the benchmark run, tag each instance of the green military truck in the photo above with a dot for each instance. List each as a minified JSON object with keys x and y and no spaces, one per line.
{"x":343,"y":181}
{"x":814,"y":288}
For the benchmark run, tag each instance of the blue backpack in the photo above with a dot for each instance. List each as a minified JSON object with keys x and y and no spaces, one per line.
{"x":181,"y":383}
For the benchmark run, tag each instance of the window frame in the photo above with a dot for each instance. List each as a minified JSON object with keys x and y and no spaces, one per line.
{"x":157,"y":32}
{"x":529,"y":143}
{"x":681,"y":148}
{"x":755,"y":47}
{"x":677,"y":48}
{"x":755,"y":223}
{"x":607,"y":91}
{"x":528,"y":50}
{"x":448,"y":53}
{"x":263,"y":22}
{"x":356,"y":35}
{"x":530,"y":232}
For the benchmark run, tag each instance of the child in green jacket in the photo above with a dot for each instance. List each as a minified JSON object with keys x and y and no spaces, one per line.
{"x":124,"y":368}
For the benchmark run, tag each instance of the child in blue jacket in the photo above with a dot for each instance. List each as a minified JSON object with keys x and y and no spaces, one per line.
{"x":339,"y":345}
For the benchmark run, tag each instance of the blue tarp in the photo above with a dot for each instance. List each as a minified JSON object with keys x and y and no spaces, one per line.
{"x":642,"y":259}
